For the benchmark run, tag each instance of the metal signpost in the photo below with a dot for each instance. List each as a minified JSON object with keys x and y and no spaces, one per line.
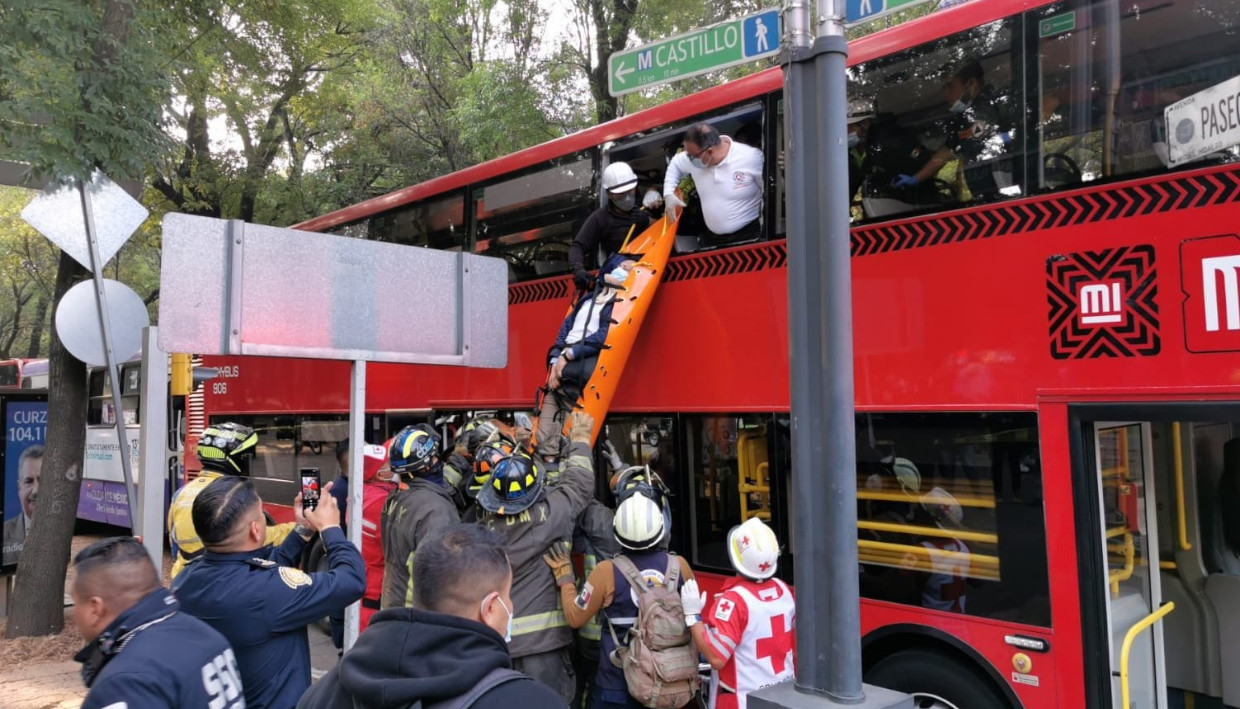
{"x":828,"y":664}
{"x":716,"y":47}
{"x":72,"y":227}
{"x":232,"y":288}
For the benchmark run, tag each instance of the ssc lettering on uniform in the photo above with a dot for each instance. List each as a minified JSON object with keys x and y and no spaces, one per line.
{"x":222,"y":682}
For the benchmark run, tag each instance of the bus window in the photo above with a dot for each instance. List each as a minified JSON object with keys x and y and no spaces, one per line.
{"x":727,"y":458}
{"x":1108,"y":71}
{"x":644,"y":440}
{"x":438,"y":224}
{"x":943,"y":126}
{"x":101,"y":410}
{"x":649,"y":155}
{"x":949,"y":513}
{"x":353,"y":230}
{"x":529,"y":221}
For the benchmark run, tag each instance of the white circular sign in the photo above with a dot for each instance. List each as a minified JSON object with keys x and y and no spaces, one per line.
{"x":77,"y":322}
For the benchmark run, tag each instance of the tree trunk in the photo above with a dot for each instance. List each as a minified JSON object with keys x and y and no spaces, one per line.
{"x":36,"y":330}
{"x":38,"y":597}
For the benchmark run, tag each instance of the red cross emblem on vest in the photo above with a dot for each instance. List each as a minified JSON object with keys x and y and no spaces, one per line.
{"x":777,"y":645}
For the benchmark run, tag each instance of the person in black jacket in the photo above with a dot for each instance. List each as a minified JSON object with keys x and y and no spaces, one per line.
{"x":449,"y":649}
{"x":141,"y":650}
{"x":609,"y":226}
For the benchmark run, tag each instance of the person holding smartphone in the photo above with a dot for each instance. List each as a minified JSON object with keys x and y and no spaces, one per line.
{"x":254,"y":595}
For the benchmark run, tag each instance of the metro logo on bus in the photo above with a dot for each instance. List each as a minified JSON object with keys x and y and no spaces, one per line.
{"x":1103,"y":303}
{"x":1210,"y":279}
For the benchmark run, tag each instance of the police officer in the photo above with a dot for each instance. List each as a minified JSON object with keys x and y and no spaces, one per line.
{"x":608,"y":227}
{"x":253,"y":595}
{"x":224,"y":449}
{"x":130,"y":623}
{"x":530,"y":517}
{"x":421,"y":510}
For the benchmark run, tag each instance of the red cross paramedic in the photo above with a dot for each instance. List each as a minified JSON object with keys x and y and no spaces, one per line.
{"x":749,"y":634}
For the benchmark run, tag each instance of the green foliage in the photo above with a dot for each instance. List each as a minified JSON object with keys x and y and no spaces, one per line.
{"x":74,"y":95}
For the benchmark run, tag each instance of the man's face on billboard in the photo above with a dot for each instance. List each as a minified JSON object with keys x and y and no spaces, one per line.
{"x":28,"y":484}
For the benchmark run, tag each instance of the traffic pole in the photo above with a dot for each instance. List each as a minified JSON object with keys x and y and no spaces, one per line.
{"x":105,"y":327}
{"x":357,"y":442}
{"x":824,"y":467}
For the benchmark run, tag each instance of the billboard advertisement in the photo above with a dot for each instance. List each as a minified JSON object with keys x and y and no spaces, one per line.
{"x":25,"y":433}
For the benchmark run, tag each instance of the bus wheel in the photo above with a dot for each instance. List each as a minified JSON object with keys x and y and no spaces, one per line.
{"x":935,"y":681}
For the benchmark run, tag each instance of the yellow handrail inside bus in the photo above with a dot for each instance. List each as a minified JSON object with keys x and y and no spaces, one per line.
{"x":983,"y":537}
{"x":964,"y":500}
{"x":1122,"y":574}
{"x":1168,"y":565}
{"x":1126,"y":648}
{"x":1179,"y":487}
{"x":917,"y":557}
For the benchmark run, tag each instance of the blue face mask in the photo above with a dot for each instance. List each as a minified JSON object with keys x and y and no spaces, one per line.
{"x":959,"y":106}
{"x":619,"y":275}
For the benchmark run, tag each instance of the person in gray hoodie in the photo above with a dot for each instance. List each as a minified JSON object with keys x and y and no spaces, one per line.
{"x":449,"y":650}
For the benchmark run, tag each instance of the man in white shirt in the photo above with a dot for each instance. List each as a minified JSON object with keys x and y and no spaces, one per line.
{"x":728,"y":179}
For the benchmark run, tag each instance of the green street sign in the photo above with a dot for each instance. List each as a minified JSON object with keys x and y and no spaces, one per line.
{"x":708,"y":49}
{"x":1058,"y":24}
{"x":857,"y":12}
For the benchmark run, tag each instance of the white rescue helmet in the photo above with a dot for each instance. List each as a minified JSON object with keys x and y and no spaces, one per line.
{"x":638,"y":523}
{"x":860,"y":109}
{"x":943,"y":508}
{"x":619,"y":177}
{"x":907,"y":475}
{"x":753,"y":549}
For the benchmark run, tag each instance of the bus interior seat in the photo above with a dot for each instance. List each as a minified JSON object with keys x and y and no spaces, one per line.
{"x":1194,"y":664}
{"x":1223,"y":589}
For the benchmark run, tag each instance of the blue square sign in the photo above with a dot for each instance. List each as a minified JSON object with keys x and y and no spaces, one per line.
{"x":761,"y":34}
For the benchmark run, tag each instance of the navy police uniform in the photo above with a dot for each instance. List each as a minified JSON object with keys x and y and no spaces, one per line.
{"x":154,"y":656}
{"x":262,"y":605}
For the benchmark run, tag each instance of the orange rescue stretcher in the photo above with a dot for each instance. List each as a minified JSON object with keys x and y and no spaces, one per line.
{"x":651,"y":250}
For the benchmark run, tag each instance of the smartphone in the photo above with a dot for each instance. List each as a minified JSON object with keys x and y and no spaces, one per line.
{"x":310,"y":488}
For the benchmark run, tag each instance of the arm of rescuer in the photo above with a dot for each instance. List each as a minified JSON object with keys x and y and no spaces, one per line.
{"x":585,"y":243}
{"x":716,"y":637}
{"x":297,"y":598}
{"x":598,"y":590}
{"x":576,"y":483}
{"x":677,"y":168}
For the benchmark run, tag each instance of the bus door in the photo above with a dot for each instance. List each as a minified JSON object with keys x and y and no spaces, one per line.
{"x":1124,"y":476}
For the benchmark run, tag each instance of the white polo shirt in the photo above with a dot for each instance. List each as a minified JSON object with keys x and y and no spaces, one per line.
{"x":731,"y":192}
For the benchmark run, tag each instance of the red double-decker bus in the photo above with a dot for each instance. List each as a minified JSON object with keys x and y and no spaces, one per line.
{"x":1047,"y":338}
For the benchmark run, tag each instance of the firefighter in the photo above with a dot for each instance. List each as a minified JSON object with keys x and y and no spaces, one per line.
{"x":418,"y":512}
{"x":749,"y":634}
{"x":460,"y":467}
{"x":224,"y":449}
{"x":531,"y":517}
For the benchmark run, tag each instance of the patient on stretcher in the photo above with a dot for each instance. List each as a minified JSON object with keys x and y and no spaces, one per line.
{"x":575,"y":353}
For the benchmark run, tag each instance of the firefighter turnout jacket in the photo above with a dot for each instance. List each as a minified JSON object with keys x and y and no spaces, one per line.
{"x":185,"y":542}
{"x":539,"y":625}
{"x":409,"y":516}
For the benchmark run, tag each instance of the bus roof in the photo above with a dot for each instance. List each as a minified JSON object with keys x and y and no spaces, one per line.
{"x":925,"y":29}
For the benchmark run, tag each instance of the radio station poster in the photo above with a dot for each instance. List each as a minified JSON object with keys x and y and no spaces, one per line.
{"x":25,"y":433}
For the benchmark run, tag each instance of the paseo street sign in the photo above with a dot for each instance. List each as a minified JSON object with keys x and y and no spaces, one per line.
{"x":708,"y":49}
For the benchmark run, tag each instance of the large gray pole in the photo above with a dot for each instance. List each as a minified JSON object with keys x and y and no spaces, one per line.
{"x":821,"y":367}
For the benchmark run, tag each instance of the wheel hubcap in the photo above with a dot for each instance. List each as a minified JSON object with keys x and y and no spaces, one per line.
{"x":922,"y":700}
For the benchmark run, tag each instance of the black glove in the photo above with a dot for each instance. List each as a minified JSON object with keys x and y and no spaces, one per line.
{"x":583,"y":280}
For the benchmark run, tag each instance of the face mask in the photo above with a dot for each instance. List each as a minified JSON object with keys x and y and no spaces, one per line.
{"x":626,"y":202}
{"x":620,"y":274}
{"x":959,"y":106}
{"x":508,"y":631}
{"x":853,"y":140}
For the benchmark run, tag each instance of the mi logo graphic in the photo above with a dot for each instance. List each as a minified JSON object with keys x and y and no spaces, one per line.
{"x":1210,"y":279}
{"x":1213,"y":270}
{"x":1101,"y":303}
